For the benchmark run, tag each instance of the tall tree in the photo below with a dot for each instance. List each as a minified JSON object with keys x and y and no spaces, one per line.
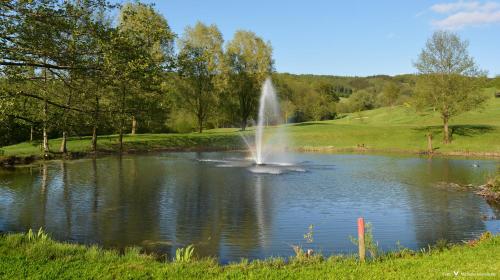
{"x":449,"y":79}
{"x":250,"y":61}
{"x":47,"y":42}
{"x":150,"y":29}
{"x":200,"y":65}
{"x":31,"y":35}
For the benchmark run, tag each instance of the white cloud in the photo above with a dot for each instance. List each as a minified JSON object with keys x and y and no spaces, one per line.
{"x":466,"y":13}
{"x":452,"y":7}
{"x":463,"y":19}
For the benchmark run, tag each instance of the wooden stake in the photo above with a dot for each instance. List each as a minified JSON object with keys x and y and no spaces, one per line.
{"x":361,"y":239}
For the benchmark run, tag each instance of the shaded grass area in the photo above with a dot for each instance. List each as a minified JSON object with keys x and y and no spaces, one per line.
{"x":31,"y":257}
{"x":392,"y":129}
{"x":142,"y":142}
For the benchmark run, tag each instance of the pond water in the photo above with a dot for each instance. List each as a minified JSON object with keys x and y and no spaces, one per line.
{"x":168,"y":200}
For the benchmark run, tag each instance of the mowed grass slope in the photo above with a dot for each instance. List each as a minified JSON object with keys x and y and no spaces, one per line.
{"x":402,"y":128}
{"x":43,"y":258}
{"x":390,"y":129}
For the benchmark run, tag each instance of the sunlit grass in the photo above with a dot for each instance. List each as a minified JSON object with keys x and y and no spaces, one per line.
{"x":43,"y":258}
{"x":398,"y":129}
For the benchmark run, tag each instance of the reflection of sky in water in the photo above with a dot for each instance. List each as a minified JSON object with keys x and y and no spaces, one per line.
{"x":214,"y":201}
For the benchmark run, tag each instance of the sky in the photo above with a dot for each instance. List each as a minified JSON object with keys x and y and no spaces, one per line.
{"x":348,"y":38}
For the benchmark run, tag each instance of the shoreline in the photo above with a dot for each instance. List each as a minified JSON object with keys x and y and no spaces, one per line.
{"x":37,"y":254}
{"x":17,"y":160}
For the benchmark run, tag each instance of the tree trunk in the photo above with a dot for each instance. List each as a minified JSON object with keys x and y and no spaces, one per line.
{"x":446,"y":132}
{"x":45,"y":145}
{"x":134,"y":125}
{"x":120,"y":138}
{"x":94,"y":138}
{"x":63,"y":148}
{"x":200,"y":125}
{"x":31,"y":134}
{"x":243,"y":124}
{"x":429,"y":143}
{"x":122,"y":118}
{"x":96,"y":123}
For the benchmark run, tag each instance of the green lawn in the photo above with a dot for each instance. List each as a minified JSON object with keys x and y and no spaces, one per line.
{"x":397,"y":129}
{"x":22,"y":258}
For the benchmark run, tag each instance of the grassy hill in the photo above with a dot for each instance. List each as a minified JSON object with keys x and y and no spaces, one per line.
{"x":401,"y":128}
{"x":488,"y":114}
{"x":388,"y":129}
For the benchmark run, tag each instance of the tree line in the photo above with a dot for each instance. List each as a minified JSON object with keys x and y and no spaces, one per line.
{"x":73,"y":68}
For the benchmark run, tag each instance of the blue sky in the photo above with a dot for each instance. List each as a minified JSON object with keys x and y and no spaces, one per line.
{"x":355,"y":38}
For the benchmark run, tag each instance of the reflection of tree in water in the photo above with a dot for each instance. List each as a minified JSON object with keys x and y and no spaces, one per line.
{"x":215,"y":208}
{"x":130,"y":205}
{"x":31,"y":186}
{"x":67,"y":198}
{"x":442,"y":213}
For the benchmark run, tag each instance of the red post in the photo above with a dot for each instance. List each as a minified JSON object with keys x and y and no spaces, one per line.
{"x":361,"y":239}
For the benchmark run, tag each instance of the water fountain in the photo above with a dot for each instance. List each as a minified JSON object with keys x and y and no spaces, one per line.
{"x":269,"y":113}
{"x":269,"y":151}
{"x":268,"y":148}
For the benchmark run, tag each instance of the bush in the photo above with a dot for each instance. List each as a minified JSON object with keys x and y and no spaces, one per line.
{"x":181,"y":122}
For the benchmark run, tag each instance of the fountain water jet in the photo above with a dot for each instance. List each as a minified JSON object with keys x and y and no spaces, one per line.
{"x":270,"y":147}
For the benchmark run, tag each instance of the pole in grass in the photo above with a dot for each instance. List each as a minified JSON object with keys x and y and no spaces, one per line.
{"x":361,"y":239}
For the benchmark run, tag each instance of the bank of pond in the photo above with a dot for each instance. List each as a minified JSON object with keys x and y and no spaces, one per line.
{"x":34,"y":255}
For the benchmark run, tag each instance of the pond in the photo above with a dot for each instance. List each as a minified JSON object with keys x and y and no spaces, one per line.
{"x":168,"y":200}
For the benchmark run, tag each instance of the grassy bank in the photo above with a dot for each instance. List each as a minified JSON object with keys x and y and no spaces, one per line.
{"x":25,"y":257}
{"x":389,"y":129}
{"x":142,"y":142}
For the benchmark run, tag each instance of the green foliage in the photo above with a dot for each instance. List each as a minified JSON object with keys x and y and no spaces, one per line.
{"x":91,"y":76}
{"x":449,"y":80}
{"x":441,"y":245}
{"x":494,"y":181}
{"x":249,"y":61}
{"x":389,"y":96}
{"x":361,"y":100}
{"x":181,"y":122}
{"x":200,"y":62}
{"x":370,"y":244}
{"x":39,"y":236}
{"x":184,"y":255}
{"x":309,"y":236}
{"x":396,"y":129}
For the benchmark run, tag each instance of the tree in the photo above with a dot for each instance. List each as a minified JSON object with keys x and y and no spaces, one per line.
{"x":249,"y":60}
{"x":200,"y":65}
{"x":328,"y":90}
{"x":449,"y":80}
{"x":152,"y":33}
{"x":390,"y":94}
{"x":361,"y":100}
{"x":45,"y":47}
